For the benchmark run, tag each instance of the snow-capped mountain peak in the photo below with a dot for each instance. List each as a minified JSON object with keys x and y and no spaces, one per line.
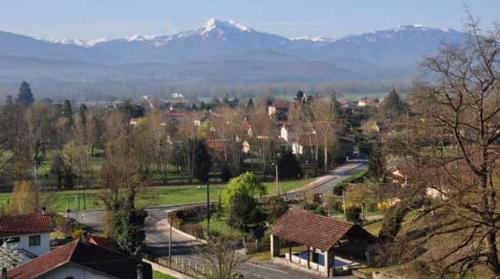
{"x":79,"y":42}
{"x":312,"y":39}
{"x":135,"y":38}
{"x":214,"y":24}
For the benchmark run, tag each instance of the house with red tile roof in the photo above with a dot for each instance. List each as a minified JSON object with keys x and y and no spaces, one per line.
{"x":280,"y":109}
{"x":81,"y":259}
{"x":331,"y":244}
{"x":28,"y":234}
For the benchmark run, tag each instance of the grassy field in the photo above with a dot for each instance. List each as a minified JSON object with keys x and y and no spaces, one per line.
{"x":59,"y":201}
{"x":158,"y":275}
{"x":219,"y":226}
{"x":374,"y":228}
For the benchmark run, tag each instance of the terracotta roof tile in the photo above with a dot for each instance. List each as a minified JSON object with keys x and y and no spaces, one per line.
{"x":84,"y":254}
{"x":44,"y":263}
{"x":26,"y":224}
{"x":314,"y":230}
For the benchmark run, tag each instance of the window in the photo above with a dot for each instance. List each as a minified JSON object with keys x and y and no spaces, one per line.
{"x":70,"y":277}
{"x":34,"y":240}
{"x":12,"y":239}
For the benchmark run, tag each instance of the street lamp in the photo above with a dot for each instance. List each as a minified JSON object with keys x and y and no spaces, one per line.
{"x":276,"y":175}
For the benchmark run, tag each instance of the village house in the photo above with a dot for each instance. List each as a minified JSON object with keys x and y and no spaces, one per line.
{"x":27,"y":234}
{"x":366,"y":102}
{"x":82,"y":259}
{"x":279,"y":110}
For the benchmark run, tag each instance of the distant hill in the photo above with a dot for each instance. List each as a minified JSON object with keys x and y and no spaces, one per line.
{"x":222,"y":52}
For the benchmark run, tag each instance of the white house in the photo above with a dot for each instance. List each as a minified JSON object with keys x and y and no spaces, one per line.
{"x":28,"y":234}
{"x":286,"y":134}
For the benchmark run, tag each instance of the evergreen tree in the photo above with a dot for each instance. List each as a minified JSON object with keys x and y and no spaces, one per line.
{"x":226,"y":174}
{"x":336,"y":108}
{"x":203,"y":162}
{"x":82,"y":113}
{"x":250,"y":105}
{"x":129,"y":231}
{"x":131,"y":110}
{"x":244,"y":211}
{"x":300,"y":96}
{"x":289,"y":166}
{"x":392,"y":106}
{"x":202,"y":166}
{"x":25,"y":96}
{"x":67,"y":115}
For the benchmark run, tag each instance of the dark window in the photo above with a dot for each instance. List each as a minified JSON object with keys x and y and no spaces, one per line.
{"x":34,"y":240}
{"x":13,"y":239}
{"x":70,"y":277}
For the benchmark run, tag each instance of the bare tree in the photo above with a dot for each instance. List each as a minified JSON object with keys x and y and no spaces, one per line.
{"x":221,"y":260}
{"x":454,"y":141}
{"x":325,"y":125}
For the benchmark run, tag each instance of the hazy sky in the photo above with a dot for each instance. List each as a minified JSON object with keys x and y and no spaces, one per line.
{"x":90,"y":19}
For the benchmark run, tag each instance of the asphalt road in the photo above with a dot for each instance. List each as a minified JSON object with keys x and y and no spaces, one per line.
{"x":157,"y":229}
{"x":326,"y":183}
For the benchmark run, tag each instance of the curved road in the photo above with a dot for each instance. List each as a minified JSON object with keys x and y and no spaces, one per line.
{"x":157,"y":228}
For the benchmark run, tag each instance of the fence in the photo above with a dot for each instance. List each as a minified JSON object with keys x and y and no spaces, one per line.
{"x":182,"y":265}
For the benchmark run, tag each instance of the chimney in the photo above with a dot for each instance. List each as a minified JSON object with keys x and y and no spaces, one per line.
{"x":139,"y":272}
{"x":4,"y":273}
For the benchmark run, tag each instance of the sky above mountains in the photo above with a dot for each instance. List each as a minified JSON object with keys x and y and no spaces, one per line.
{"x":91,"y":19}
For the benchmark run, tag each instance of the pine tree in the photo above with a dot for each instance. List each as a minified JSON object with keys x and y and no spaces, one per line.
{"x":250,"y":105}
{"x":203,"y":162}
{"x":25,"y":96}
{"x":392,"y":106}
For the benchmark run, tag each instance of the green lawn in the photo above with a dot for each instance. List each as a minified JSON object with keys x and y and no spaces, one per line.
{"x":286,"y":185}
{"x":158,"y":275}
{"x":374,"y":228}
{"x":219,"y":226}
{"x":153,"y":196}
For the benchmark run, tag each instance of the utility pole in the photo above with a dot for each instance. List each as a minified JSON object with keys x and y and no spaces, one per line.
{"x":343,"y":203}
{"x":277,"y":180}
{"x":37,"y":191}
{"x":208,"y":209}
{"x":170,"y":241}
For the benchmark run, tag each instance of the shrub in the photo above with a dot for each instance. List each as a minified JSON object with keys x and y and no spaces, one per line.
{"x":355,"y":178}
{"x":277,"y":207}
{"x":353,"y":214}
{"x":77,"y":233}
{"x":226,"y":174}
{"x":194,"y":230}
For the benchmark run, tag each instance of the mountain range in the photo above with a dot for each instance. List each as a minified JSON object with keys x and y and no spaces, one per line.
{"x":222,"y":52}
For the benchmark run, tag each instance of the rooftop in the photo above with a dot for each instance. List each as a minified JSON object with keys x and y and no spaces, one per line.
{"x":26,"y":224}
{"x":83,"y":254}
{"x":314,"y":230}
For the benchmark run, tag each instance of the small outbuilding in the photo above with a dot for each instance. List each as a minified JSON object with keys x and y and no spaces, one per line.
{"x":330,"y":243}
